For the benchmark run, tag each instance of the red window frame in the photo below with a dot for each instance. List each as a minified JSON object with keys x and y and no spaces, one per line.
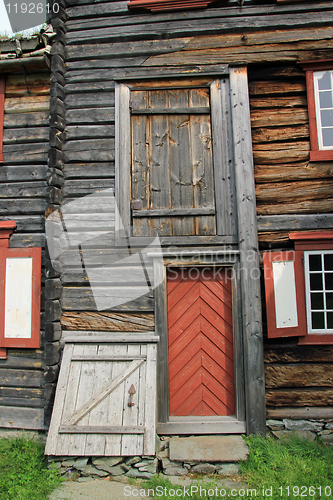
{"x":272,"y":330}
{"x":164,"y":5}
{"x":313,"y":240}
{"x":310,"y":66}
{"x":2,"y":111}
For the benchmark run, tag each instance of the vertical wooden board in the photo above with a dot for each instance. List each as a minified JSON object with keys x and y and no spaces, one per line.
{"x":140,"y":176}
{"x":142,"y":398}
{"x":180,"y":160}
{"x":202,"y":162}
{"x":95,"y":443}
{"x":64,"y":441}
{"x":129,"y":442}
{"x":116,"y":403}
{"x":150,"y":401}
{"x":248,"y":245}
{"x":62,"y":386}
{"x":122,"y":157}
{"x":222,"y":155}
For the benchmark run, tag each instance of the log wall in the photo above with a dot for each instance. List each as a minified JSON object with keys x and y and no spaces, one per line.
{"x":23,"y":187}
{"x":105,"y":42}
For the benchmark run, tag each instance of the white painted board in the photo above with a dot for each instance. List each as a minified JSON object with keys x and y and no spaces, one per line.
{"x":285,"y":294}
{"x":18,"y":297}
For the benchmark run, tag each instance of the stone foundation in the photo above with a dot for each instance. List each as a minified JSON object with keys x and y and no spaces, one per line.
{"x":120,"y":468}
{"x":309,"y":429}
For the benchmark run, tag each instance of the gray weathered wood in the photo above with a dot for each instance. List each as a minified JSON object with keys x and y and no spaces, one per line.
{"x":22,"y":418}
{"x":294,"y":222}
{"x":99,"y":429}
{"x":248,"y":244}
{"x":173,"y":212}
{"x":299,"y":413}
{"x":98,"y":337}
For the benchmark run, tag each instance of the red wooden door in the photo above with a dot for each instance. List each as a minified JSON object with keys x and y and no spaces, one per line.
{"x":200,"y":350}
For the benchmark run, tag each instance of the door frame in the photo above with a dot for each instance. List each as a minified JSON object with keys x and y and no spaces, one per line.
{"x":197,"y":425}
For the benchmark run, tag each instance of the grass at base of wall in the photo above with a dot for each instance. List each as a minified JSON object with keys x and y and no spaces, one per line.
{"x":286,"y":469}
{"x":23,"y":470}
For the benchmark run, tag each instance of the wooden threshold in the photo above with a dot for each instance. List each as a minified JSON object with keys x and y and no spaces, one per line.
{"x":213,"y":426}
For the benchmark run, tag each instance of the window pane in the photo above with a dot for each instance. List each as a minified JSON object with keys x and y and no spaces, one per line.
{"x":328,"y":262}
{"x":318,"y":321}
{"x":326,"y":117}
{"x":317,"y":301}
{"x":329,"y":281}
{"x":327,"y":137}
{"x":316,"y":282}
{"x":325,"y":99}
{"x":324,"y":83}
{"x":315,"y":262}
{"x":329,"y":301}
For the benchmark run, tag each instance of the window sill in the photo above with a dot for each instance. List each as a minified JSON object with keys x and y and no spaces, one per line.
{"x":325,"y":155}
{"x":316,"y":339}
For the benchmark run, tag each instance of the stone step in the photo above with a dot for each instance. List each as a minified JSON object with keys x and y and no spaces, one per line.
{"x":217,"y":448}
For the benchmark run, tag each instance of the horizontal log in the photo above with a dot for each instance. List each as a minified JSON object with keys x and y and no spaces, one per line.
{"x":299,"y":413}
{"x":35,"y":153}
{"x":278,"y":118}
{"x":26,"y":135}
{"x":281,"y":152}
{"x":23,"y":173}
{"x":92,"y":115}
{"x":85,"y":187}
{"x":22,"y":85}
{"x":21,"y":378}
{"x":89,"y":131}
{"x":105,"y":63}
{"x":248,"y":53}
{"x":23,"y":206}
{"x":22,"y":418}
{"x":23,"y":189}
{"x":294,"y":191}
{"x":97,"y":28}
{"x":21,"y":402}
{"x":269,"y":239}
{"x":81,"y":299}
{"x":116,"y":275}
{"x":90,"y":100}
{"x":304,"y":207}
{"x":89,"y":239}
{"x":274,"y":87}
{"x":19,"y":392}
{"x":89,"y":150}
{"x":292,"y":172}
{"x":299,"y":397}
{"x":28,"y":223}
{"x":294,"y":223}
{"x":22,"y":362}
{"x":78,"y":88}
{"x":278,"y":102}
{"x":299,"y":375}
{"x":109,"y":322}
{"x":27,"y":104}
{"x":25,"y":240}
{"x":18,"y":120}
{"x":298,"y":354}
{"x":89,"y":170}
{"x":298,"y":132}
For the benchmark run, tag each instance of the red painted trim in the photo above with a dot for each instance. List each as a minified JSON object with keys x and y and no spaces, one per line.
{"x":312,"y":112}
{"x":312,"y":235}
{"x":2,"y":111}
{"x":7,"y":228}
{"x":316,"y":65}
{"x":296,"y":257}
{"x":36,"y":254}
{"x":320,"y":155}
{"x":3,"y":353}
{"x":316,"y":339}
{"x":160,"y":5}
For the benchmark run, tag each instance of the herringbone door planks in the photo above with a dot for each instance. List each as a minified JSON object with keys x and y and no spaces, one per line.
{"x":200,"y":350}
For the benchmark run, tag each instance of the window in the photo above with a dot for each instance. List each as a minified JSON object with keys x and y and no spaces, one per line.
{"x":319,"y":81}
{"x":299,"y":289}
{"x":318,"y":266}
{"x":20,"y":286}
{"x":173,"y":160}
{"x":2,"y":110}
